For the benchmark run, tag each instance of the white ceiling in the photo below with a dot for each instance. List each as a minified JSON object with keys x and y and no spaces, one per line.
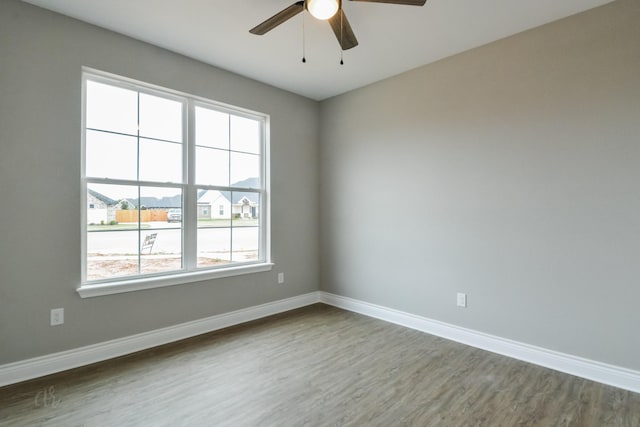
{"x":392,"y":38}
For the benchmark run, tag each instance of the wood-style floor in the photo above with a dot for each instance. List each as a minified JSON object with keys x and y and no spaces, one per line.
{"x":316,"y":366}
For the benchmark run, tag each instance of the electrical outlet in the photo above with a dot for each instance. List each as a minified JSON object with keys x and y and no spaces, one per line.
{"x":280,"y":277}
{"x":462,"y":300}
{"x":57,"y":316}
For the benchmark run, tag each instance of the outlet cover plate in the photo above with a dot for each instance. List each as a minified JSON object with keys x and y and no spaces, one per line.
{"x":57,"y":316}
{"x":462,"y":299}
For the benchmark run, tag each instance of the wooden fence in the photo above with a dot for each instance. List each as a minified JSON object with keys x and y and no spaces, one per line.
{"x":148,"y":215}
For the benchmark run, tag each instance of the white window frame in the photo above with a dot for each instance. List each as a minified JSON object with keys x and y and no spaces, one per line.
{"x":189,"y":273}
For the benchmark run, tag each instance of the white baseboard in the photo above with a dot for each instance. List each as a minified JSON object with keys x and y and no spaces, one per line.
{"x":49,"y":364}
{"x":596,"y":371}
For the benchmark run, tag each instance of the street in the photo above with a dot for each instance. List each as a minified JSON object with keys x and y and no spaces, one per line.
{"x":169,"y":240}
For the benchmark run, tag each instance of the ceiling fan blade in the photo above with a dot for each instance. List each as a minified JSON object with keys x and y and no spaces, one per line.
{"x":342,"y":30}
{"x":407,"y":2}
{"x":278,"y":19}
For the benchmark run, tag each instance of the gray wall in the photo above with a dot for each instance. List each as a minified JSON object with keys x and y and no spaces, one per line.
{"x":41,"y":55}
{"x":510,"y":172}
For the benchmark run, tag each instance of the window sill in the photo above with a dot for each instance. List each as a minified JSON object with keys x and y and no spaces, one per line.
{"x":88,"y":290}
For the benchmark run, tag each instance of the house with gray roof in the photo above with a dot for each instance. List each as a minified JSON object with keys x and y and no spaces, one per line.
{"x":100,"y":208}
{"x":215,"y":204}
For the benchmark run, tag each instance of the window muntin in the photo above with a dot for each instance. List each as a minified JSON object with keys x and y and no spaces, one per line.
{"x":137,"y":142}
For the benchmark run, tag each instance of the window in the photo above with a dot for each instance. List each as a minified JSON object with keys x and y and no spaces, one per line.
{"x":152,"y":157}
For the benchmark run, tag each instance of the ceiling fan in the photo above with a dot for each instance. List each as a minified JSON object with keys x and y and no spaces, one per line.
{"x":330,"y":10}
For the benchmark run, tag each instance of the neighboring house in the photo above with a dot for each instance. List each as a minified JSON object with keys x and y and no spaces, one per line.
{"x":100,"y":208}
{"x":214,"y":204}
{"x":245,"y":205}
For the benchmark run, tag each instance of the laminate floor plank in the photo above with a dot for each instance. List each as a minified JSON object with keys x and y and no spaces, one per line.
{"x":315,"y":366}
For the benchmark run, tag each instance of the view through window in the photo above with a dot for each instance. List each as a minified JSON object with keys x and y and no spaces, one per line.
{"x":173,"y":183}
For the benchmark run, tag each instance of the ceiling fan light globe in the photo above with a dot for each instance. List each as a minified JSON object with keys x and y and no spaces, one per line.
{"x":322,"y":9}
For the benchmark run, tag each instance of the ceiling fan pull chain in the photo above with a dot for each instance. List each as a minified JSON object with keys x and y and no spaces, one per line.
{"x":341,"y":34}
{"x":304,"y":56}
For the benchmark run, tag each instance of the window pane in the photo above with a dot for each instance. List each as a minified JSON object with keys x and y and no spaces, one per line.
{"x":212,"y":166}
{"x":212,"y":128}
{"x":245,"y":230}
{"x":214,"y":246}
{"x":160,"y":118}
{"x":111,"y":108}
{"x":246,"y":208}
{"x":245,"y":135}
{"x":214,"y":208}
{"x":111,"y":156}
{"x":112,"y":254}
{"x":158,"y":201}
{"x":161,"y":229}
{"x":245,"y":243}
{"x":160,"y":161}
{"x":112,"y":204}
{"x":161,"y":250}
{"x":245,"y":170}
